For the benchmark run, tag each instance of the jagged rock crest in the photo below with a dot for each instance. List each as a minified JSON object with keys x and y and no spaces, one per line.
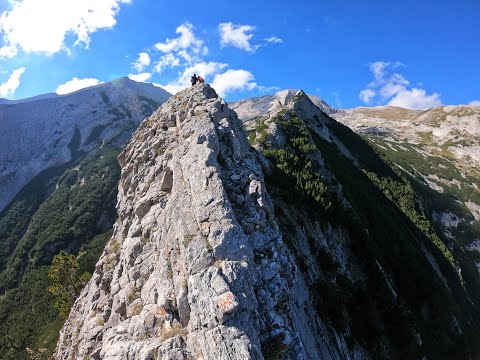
{"x":196,"y":268}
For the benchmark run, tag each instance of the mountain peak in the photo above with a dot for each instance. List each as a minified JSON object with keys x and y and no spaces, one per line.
{"x":248,"y":109}
{"x":57,"y":128}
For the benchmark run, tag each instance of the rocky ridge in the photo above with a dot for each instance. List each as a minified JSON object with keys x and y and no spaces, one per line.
{"x":437,"y":148}
{"x":249,"y":110}
{"x":446,"y":130}
{"x":197,"y":267}
{"x":205,"y":264}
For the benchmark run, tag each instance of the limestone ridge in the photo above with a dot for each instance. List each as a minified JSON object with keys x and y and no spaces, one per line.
{"x":196,"y":267}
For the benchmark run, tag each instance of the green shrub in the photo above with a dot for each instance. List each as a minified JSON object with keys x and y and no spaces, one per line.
{"x":66,"y":284}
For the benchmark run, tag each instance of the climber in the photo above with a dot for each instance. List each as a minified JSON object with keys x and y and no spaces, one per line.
{"x":200,"y":79}
{"x":194,"y":79}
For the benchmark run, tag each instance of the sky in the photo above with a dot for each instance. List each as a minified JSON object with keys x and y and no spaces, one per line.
{"x":413,"y":54}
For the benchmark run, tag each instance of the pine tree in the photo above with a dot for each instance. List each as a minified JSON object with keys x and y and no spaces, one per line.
{"x":66,"y":284}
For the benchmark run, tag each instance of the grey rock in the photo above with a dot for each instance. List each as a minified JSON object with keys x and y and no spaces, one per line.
{"x":187,"y":282}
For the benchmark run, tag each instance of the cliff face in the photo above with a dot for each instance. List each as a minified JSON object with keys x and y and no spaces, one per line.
{"x":197,"y":267}
{"x":205,"y":264}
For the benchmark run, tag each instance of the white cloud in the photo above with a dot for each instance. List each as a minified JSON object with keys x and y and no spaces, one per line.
{"x":142,"y":62}
{"x":237,"y":36}
{"x":8,"y":52}
{"x":187,"y":52}
{"x":169,"y":60}
{"x":10,"y":86}
{"x":42,"y":26}
{"x":76,"y":84}
{"x":393,"y":89}
{"x":233,"y":80}
{"x":142,"y":77}
{"x":186,"y":40}
{"x":474,"y":103}
{"x":274,"y":40}
{"x":415,"y":99}
{"x":366,"y":95}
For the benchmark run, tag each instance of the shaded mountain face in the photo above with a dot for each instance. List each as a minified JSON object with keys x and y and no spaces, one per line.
{"x":47,"y":131}
{"x":303,"y":244}
{"x":439,"y":151}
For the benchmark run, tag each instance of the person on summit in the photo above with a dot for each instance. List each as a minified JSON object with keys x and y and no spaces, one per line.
{"x":200,"y":79}
{"x":194,"y":79}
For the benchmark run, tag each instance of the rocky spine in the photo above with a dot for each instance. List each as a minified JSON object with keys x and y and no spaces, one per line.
{"x":196,"y":268}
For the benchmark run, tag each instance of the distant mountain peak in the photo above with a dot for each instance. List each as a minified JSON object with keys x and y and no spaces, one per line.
{"x":37,"y":132}
{"x":260,"y":106}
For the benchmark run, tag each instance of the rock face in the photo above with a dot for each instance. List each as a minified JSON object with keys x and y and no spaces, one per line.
{"x":197,"y":267}
{"x":204,"y":263}
{"x":50,"y":130}
{"x":248,"y":110}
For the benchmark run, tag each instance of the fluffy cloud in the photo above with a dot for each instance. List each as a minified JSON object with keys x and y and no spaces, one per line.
{"x":274,"y":40}
{"x":366,"y":95}
{"x":42,"y":26}
{"x":415,"y":99}
{"x":76,"y":84}
{"x":142,"y":62}
{"x":142,"y":77}
{"x":10,"y":86}
{"x":8,"y":52}
{"x":474,"y":103}
{"x":185,"y":50}
{"x":392,"y":88}
{"x":186,"y":40}
{"x":170,"y":60}
{"x":233,"y":80}
{"x":238,"y":36}
{"x":188,"y":53}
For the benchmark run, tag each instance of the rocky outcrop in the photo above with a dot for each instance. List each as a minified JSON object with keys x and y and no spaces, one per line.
{"x":197,"y":267}
{"x":249,"y":110}
{"x":205,"y":263}
{"x":48,"y":130}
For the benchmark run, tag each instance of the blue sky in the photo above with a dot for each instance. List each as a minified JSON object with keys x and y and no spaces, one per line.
{"x":414,"y":54}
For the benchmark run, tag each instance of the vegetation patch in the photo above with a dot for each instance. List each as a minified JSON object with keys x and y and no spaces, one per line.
{"x":294,"y":165}
{"x":66,"y":283}
{"x":175,"y":330}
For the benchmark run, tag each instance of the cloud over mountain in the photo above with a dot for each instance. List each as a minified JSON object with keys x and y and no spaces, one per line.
{"x":389,"y":87}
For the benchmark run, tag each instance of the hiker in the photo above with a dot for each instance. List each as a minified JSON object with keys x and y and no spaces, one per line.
{"x":194,"y":79}
{"x":200,"y":79}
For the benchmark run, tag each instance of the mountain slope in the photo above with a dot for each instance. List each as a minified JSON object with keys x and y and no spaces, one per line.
{"x":75,"y":212}
{"x":304,"y":247}
{"x":69,"y":206}
{"x":41,"y":133}
{"x":438,"y":150}
{"x":398,"y":238}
